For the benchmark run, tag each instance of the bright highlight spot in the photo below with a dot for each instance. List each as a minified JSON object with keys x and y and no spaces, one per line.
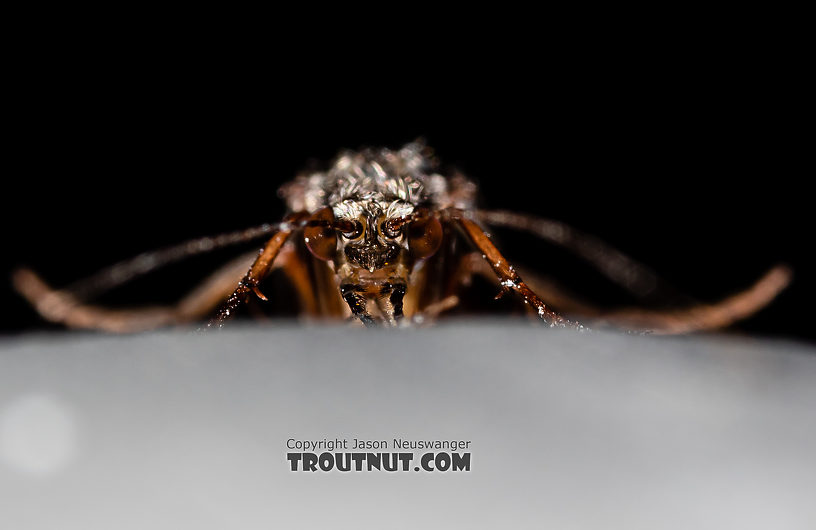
{"x":37,"y":435}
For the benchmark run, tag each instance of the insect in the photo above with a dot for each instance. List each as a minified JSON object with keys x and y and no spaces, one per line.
{"x":381,"y":238}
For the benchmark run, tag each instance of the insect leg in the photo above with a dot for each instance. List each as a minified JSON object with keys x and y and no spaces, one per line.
{"x":641,"y":281}
{"x":431,"y":311}
{"x":698,"y":317}
{"x":505,"y":272}
{"x":249,"y":283}
{"x":297,"y":272}
{"x":470,"y":265}
{"x":357,"y":303}
{"x":61,"y":306}
{"x":703,"y":317}
{"x":391,"y":303}
{"x":201,"y":302}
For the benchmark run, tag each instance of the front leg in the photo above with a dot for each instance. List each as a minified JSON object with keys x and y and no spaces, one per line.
{"x":357,"y":303}
{"x":506,"y":274}
{"x":260,"y":267}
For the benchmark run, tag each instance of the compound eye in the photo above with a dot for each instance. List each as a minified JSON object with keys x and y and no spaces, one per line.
{"x":319,"y":235}
{"x":424,"y":235}
{"x":351,"y":229}
{"x":391,"y":228}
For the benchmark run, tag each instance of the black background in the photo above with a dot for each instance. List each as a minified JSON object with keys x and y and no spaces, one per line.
{"x":687,"y":159}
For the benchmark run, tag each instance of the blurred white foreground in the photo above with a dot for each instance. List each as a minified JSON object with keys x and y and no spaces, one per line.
{"x":596,"y":430}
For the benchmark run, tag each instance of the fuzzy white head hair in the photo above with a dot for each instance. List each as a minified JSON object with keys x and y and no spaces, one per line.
{"x":372,"y":182}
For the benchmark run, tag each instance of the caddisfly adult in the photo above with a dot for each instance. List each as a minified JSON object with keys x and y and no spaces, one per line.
{"x":382,"y":238}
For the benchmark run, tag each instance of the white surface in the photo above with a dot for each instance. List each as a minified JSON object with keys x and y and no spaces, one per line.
{"x":179,"y":430}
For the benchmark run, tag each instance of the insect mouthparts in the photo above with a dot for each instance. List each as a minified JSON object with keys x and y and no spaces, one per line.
{"x":372,"y":256}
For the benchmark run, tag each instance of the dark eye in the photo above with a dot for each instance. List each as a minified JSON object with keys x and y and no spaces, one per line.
{"x":351,"y":229}
{"x":319,"y":235}
{"x":424,"y":235}
{"x":392,"y":227}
